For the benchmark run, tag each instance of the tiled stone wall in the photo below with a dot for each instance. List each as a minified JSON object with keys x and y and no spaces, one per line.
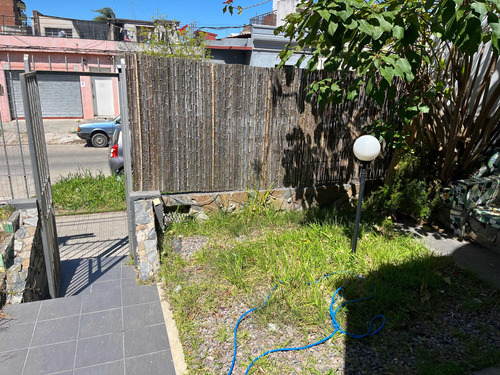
{"x":23,"y":274}
{"x":281,"y":199}
{"x":147,"y":242}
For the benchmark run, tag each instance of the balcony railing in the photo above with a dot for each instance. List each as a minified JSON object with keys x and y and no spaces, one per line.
{"x":14,"y":25}
{"x":21,"y":5}
{"x":267,"y":19}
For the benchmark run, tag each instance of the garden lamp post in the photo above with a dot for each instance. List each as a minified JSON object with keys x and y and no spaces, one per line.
{"x":366,"y":148}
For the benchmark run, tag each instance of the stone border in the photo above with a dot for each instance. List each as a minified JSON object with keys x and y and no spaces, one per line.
{"x":148,"y":256}
{"x":201,"y":204}
{"x":23,"y":275}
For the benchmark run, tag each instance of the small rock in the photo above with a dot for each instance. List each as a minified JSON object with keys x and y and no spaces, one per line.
{"x":272,"y":327}
{"x":177,"y":289}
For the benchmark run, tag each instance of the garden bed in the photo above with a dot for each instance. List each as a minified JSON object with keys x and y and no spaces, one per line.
{"x":439,"y":319}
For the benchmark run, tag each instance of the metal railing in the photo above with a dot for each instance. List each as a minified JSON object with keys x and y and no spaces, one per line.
{"x":14,"y":26}
{"x":267,"y":19}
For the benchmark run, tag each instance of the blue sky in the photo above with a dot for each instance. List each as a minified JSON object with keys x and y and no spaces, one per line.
{"x":204,"y":13}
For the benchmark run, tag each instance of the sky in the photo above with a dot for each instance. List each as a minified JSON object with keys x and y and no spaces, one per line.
{"x":203,"y":12}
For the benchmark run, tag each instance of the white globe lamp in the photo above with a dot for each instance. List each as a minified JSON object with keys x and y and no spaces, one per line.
{"x":366,"y":149}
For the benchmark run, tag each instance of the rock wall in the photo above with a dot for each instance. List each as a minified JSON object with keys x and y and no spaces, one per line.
{"x":282,"y":199}
{"x":147,"y":243}
{"x":23,"y":275}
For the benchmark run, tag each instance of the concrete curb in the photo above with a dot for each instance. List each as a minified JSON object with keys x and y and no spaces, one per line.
{"x":173,"y":335}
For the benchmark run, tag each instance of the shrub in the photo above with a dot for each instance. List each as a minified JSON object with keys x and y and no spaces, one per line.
{"x":409,"y":194}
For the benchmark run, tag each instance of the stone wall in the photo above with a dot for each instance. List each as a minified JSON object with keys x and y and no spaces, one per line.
{"x":148,"y":258}
{"x":23,"y":275}
{"x":200,"y":204}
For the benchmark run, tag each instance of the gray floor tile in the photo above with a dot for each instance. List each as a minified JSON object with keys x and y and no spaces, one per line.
{"x":107,"y":262}
{"x":101,"y":349}
{"x":22,"y":313}
{"x":100,"y":323}
{"x":74,"y":265}
{"x":50,"y":358}
{"x":106,"y":274}
{"x":140,"y":316}
{"x":139,"y":294}
{"x":56,"y":330}
{"x":146,"y":340}
{"x":130,"y":282}
{"x":74,"y":284}
{"x":101,"y":286}
{"x":15,"y":336}
{"x":112,"y":368}
{"x":129,"y":272}
{"x":105,"y":300}
{"x":60,"y":307}
{"x":13,"y":362}
{"x":156,"y":363}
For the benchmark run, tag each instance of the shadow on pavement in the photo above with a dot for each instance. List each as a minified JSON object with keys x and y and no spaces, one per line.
{"x":79,"y":274}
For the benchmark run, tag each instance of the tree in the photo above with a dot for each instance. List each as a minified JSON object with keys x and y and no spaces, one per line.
{"x":104,"y":14}
{"x":167,"y":40}
{"x":435,"y":60}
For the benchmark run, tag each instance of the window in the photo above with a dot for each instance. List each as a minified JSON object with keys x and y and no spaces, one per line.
{"x":52,"y":31}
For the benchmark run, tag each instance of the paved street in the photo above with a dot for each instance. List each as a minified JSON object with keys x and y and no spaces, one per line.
{"x":63,"y":159}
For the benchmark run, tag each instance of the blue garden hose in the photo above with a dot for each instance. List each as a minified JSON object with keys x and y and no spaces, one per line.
{"x":333,"y":313}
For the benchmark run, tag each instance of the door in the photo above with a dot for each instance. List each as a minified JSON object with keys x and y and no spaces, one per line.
{"x":104,"y":101}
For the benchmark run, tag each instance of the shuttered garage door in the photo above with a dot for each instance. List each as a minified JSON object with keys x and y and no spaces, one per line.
{"x":60,"y":94}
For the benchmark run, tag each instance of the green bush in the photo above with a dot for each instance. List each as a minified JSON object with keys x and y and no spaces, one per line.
{"x":408,"y":194}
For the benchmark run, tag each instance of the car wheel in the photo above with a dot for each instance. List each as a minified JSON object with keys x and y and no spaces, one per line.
{"x":99,"y":140}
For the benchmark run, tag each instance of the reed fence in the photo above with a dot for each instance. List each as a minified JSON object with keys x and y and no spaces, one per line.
{"x":199,"y":126}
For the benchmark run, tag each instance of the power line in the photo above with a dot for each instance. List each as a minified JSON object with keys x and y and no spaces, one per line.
{"x":255,"y":5}
{"x":220,"y":27}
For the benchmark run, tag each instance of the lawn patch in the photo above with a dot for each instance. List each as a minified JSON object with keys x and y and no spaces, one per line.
{"x":83,"y":192}
{"x":426,"y":300}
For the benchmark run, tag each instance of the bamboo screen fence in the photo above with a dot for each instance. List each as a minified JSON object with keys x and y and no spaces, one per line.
{"x":198,"y":126}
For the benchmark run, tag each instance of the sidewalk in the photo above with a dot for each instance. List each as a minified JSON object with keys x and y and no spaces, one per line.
{"x":105,"y":324}
{"x":56,"y":131}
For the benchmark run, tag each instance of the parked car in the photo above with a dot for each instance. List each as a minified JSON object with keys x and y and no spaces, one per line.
{"x":98,"y":133}
{"x":116,"y":153}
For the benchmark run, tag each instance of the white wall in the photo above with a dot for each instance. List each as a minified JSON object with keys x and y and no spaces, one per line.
{"x":283,"y":8}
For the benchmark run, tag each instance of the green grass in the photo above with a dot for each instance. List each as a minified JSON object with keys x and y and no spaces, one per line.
{"x":84,"y":192}
{"x":253,"y":250}
{"x":5,"y":212}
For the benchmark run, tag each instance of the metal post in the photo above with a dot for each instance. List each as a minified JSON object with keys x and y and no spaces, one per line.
{"x":127,"y":158}
{"x":27,"y":63}
{"x":364,"y":164}
{"x":7,"y":159}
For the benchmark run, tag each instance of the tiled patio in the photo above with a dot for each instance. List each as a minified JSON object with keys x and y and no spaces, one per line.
{"x":105,"y":324}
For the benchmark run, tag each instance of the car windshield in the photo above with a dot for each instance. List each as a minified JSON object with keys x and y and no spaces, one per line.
{"x":117,"y":119}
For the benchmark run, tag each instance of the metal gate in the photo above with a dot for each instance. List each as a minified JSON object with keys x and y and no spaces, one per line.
{"x":40,"y":163}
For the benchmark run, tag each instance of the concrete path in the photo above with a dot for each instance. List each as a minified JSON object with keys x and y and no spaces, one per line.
{"x":105,"y":324}
{"x":484,"y":261}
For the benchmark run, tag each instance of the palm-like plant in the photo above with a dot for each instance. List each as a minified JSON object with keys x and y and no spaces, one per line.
{"x":104,"y":14}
